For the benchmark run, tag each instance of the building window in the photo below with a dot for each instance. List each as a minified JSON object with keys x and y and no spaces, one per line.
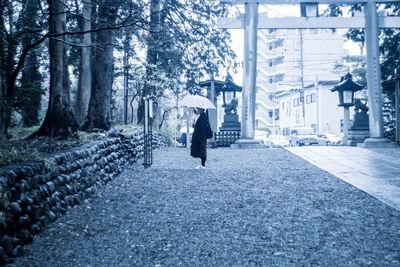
{"x":271,"y":97}
{"x":270,"y":63}
{"x":279,"y":78}
{"x":308,"y":99}
{"x":283,"y":105}
{"x":279,"y":42}
{"x":314,"y":31}
{"x":297,"y":118}
{"x":297,"y":45}
{"x":286,"y":131}
{"x":296,"y":102}
{"x":311,"y":98}
{"x":279,"y":60}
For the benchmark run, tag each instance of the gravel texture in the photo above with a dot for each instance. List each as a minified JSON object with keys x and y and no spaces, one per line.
{"x":264,"y":207}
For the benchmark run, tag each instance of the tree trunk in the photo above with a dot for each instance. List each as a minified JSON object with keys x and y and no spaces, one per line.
{"x":31,"y":90}
{"x":59,"y":120}
{"x":99,"y":114}
{"x":3,"y":102}
{"x":30,"y":75}
{"x":127,"y":48}
{"x":7,"y":53}
{"x":3,"y":112}
{"x":85,"y":75}
{"x":152,"y":54}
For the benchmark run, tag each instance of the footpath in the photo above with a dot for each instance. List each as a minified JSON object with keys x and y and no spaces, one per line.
{"x":262,"y":207}
{"x":374,"y":171}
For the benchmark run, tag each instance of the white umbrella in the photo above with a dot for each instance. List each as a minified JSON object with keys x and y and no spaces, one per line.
{"x":197,"y":101}
{"x":184,"y":129}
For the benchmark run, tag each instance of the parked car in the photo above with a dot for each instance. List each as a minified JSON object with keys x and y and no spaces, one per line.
{"x":260,"y":136}
{"x":302,"y":136}
{"x":329,"y":139}
{"x":276,"y":140}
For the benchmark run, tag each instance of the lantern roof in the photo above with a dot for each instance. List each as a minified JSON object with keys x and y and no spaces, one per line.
{"x":221,"y":86}
{"x":347,"y":84}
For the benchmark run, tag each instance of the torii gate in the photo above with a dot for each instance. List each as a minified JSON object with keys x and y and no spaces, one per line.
{"x":251,"y":23}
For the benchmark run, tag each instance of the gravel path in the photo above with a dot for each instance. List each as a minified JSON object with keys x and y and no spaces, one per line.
{"x":263,"y":207}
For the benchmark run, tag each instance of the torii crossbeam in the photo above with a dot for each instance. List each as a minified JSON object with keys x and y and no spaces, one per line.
{"x":251,"y":22}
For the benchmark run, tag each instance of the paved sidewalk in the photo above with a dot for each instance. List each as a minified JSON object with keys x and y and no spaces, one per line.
{"x":374,"y":172}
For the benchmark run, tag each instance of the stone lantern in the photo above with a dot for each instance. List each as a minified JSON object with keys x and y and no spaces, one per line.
{"x":346,"y":89}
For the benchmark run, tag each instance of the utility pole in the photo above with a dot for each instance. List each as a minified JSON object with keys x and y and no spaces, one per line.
{"x":303,"y":107}
{"x":318,"y":104}
{"x":303,"y":13}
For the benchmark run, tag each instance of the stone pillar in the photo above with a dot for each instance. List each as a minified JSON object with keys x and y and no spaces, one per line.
{"x":249,"y":78}
{"x":346,"y":119}
{"x":373,"y":70}
{"x":249,"y":70}
{"x":373,"y":78}
{"x":213,"y":113}
{"x":188,"y":139}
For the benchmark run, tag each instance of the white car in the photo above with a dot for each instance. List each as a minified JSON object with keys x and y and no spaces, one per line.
{"x":302,"y":136}
{"x":261,"y":136}
{"x":329,"y":139}
{"x":277,"y":140}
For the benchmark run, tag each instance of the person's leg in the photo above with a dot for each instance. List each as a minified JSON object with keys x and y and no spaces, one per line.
{"x":203,"y":162}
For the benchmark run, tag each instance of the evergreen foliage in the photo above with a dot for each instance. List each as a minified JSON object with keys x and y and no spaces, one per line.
{"x":182,"y":46}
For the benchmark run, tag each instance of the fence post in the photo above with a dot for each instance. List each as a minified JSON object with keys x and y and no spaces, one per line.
{"x":148,"y":132}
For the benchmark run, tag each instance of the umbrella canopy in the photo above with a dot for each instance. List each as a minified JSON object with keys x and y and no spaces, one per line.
{"x":184,"y":129}
{"x":197,"y":101}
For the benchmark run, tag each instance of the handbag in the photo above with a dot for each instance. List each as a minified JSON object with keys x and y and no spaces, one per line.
{"x":209,"y":132}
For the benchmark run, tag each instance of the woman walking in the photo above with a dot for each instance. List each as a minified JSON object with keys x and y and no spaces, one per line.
{"x":199,"y":138}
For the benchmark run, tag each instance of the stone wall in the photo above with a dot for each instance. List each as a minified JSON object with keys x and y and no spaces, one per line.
{"x":38,"y":193}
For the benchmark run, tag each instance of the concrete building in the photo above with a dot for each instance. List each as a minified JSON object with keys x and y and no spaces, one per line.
{"x":284,"y":57}
{"x":320,"y":108}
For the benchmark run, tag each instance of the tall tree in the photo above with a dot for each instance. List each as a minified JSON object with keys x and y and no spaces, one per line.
{"x":99,"y":114}
{"x":153,"y":44}
{"x":12,"y":57}
{"x":59,"y":120}
{"x":30,"y":92}
{"x":8,"y":51}
{"x":389,"y":38}
{"x":85,"y":75}
{"x":4,"y":101}
{"x":184,"y":43}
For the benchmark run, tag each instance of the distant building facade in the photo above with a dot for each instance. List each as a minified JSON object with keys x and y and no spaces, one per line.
{"x":285,"y":57}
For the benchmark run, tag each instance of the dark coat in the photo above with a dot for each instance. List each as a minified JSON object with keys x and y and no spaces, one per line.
{"x":199,"y":138}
